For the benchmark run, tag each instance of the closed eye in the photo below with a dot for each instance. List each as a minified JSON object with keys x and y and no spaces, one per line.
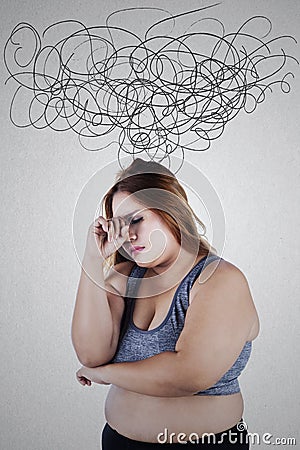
{"x":134,"y":221}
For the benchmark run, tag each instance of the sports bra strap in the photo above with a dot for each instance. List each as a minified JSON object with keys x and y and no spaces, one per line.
{"x":199,"y":267}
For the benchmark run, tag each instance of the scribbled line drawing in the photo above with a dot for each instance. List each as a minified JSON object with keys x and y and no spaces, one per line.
{"x":172,"y":89}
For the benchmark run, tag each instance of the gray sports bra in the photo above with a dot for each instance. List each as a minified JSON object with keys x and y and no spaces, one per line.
{"x":136,"y":344}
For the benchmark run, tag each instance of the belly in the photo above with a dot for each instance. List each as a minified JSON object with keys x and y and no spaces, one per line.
{"x":150,"y":419}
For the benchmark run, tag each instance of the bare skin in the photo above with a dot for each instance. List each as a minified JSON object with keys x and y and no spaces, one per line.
{"x":150,"y":415}
{"x":148,"y":396}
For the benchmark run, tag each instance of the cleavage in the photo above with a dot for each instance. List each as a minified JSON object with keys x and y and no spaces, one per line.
{"x":150,"y":312}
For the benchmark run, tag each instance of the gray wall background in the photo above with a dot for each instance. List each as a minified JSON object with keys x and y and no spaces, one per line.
{"x":254,"y":168}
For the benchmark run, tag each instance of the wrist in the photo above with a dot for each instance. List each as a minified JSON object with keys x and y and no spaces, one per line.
{"x":91,"y":259}
{"x":105,"y":373}
{"x":93,"y":268}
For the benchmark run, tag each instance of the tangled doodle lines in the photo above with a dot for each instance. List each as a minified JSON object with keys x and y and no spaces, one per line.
{"x":164,"y":92}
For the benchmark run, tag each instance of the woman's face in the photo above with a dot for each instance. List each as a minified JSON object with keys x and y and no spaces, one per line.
{"x":151,"y":242}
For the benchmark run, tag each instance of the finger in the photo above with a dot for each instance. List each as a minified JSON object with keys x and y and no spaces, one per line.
{"x":84,"y":381}
{"x":98,"y":231}
{"x":124,"y":228}
{"x":79,"y":375}
{"x":81,"y":380}
{"x":100,"y":221}
{"x":117,"y":227}
{"x":109,"y":225}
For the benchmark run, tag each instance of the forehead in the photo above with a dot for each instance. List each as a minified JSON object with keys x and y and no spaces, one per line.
{"x":124,"y":203}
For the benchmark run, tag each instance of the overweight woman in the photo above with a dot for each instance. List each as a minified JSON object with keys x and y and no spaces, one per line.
{"x":169,"y":326}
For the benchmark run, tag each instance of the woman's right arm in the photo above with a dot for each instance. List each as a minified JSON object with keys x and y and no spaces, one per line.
{"x":99,"y":302}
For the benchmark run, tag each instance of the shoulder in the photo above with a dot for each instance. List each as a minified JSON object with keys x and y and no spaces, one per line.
{"x":222,"y":280}
{"x":219,"y":272}
{"x":222,"y":298}
{"x":117,"y":276}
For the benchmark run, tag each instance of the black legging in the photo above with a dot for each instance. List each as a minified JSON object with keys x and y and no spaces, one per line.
{"x":235,"y":437}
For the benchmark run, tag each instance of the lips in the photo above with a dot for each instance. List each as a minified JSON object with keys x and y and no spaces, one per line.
{"x":136,"y":248}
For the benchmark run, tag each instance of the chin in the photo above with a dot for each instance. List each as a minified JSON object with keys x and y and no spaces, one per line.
{"x":148,"y":263}
{"x":144,"y":263}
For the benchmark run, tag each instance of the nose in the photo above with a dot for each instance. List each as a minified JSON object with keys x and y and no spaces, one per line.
{"x":132,"y":233}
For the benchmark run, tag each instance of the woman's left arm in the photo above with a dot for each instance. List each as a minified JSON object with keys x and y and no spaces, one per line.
{"x":217,"y":324}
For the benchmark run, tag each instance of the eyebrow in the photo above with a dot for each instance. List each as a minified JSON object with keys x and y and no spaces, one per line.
{"x":128,"y":216}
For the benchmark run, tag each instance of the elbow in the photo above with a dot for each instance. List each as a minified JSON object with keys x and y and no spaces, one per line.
{"x":93,"y":361}
{"x":191,"y":387}
{"x":202,"y":382}
{"x":194,"y":386}
{"x":192,"y":381}
{"x":186,"y":388}
{"x":91,"y":352}
{"x":91,"y":358}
